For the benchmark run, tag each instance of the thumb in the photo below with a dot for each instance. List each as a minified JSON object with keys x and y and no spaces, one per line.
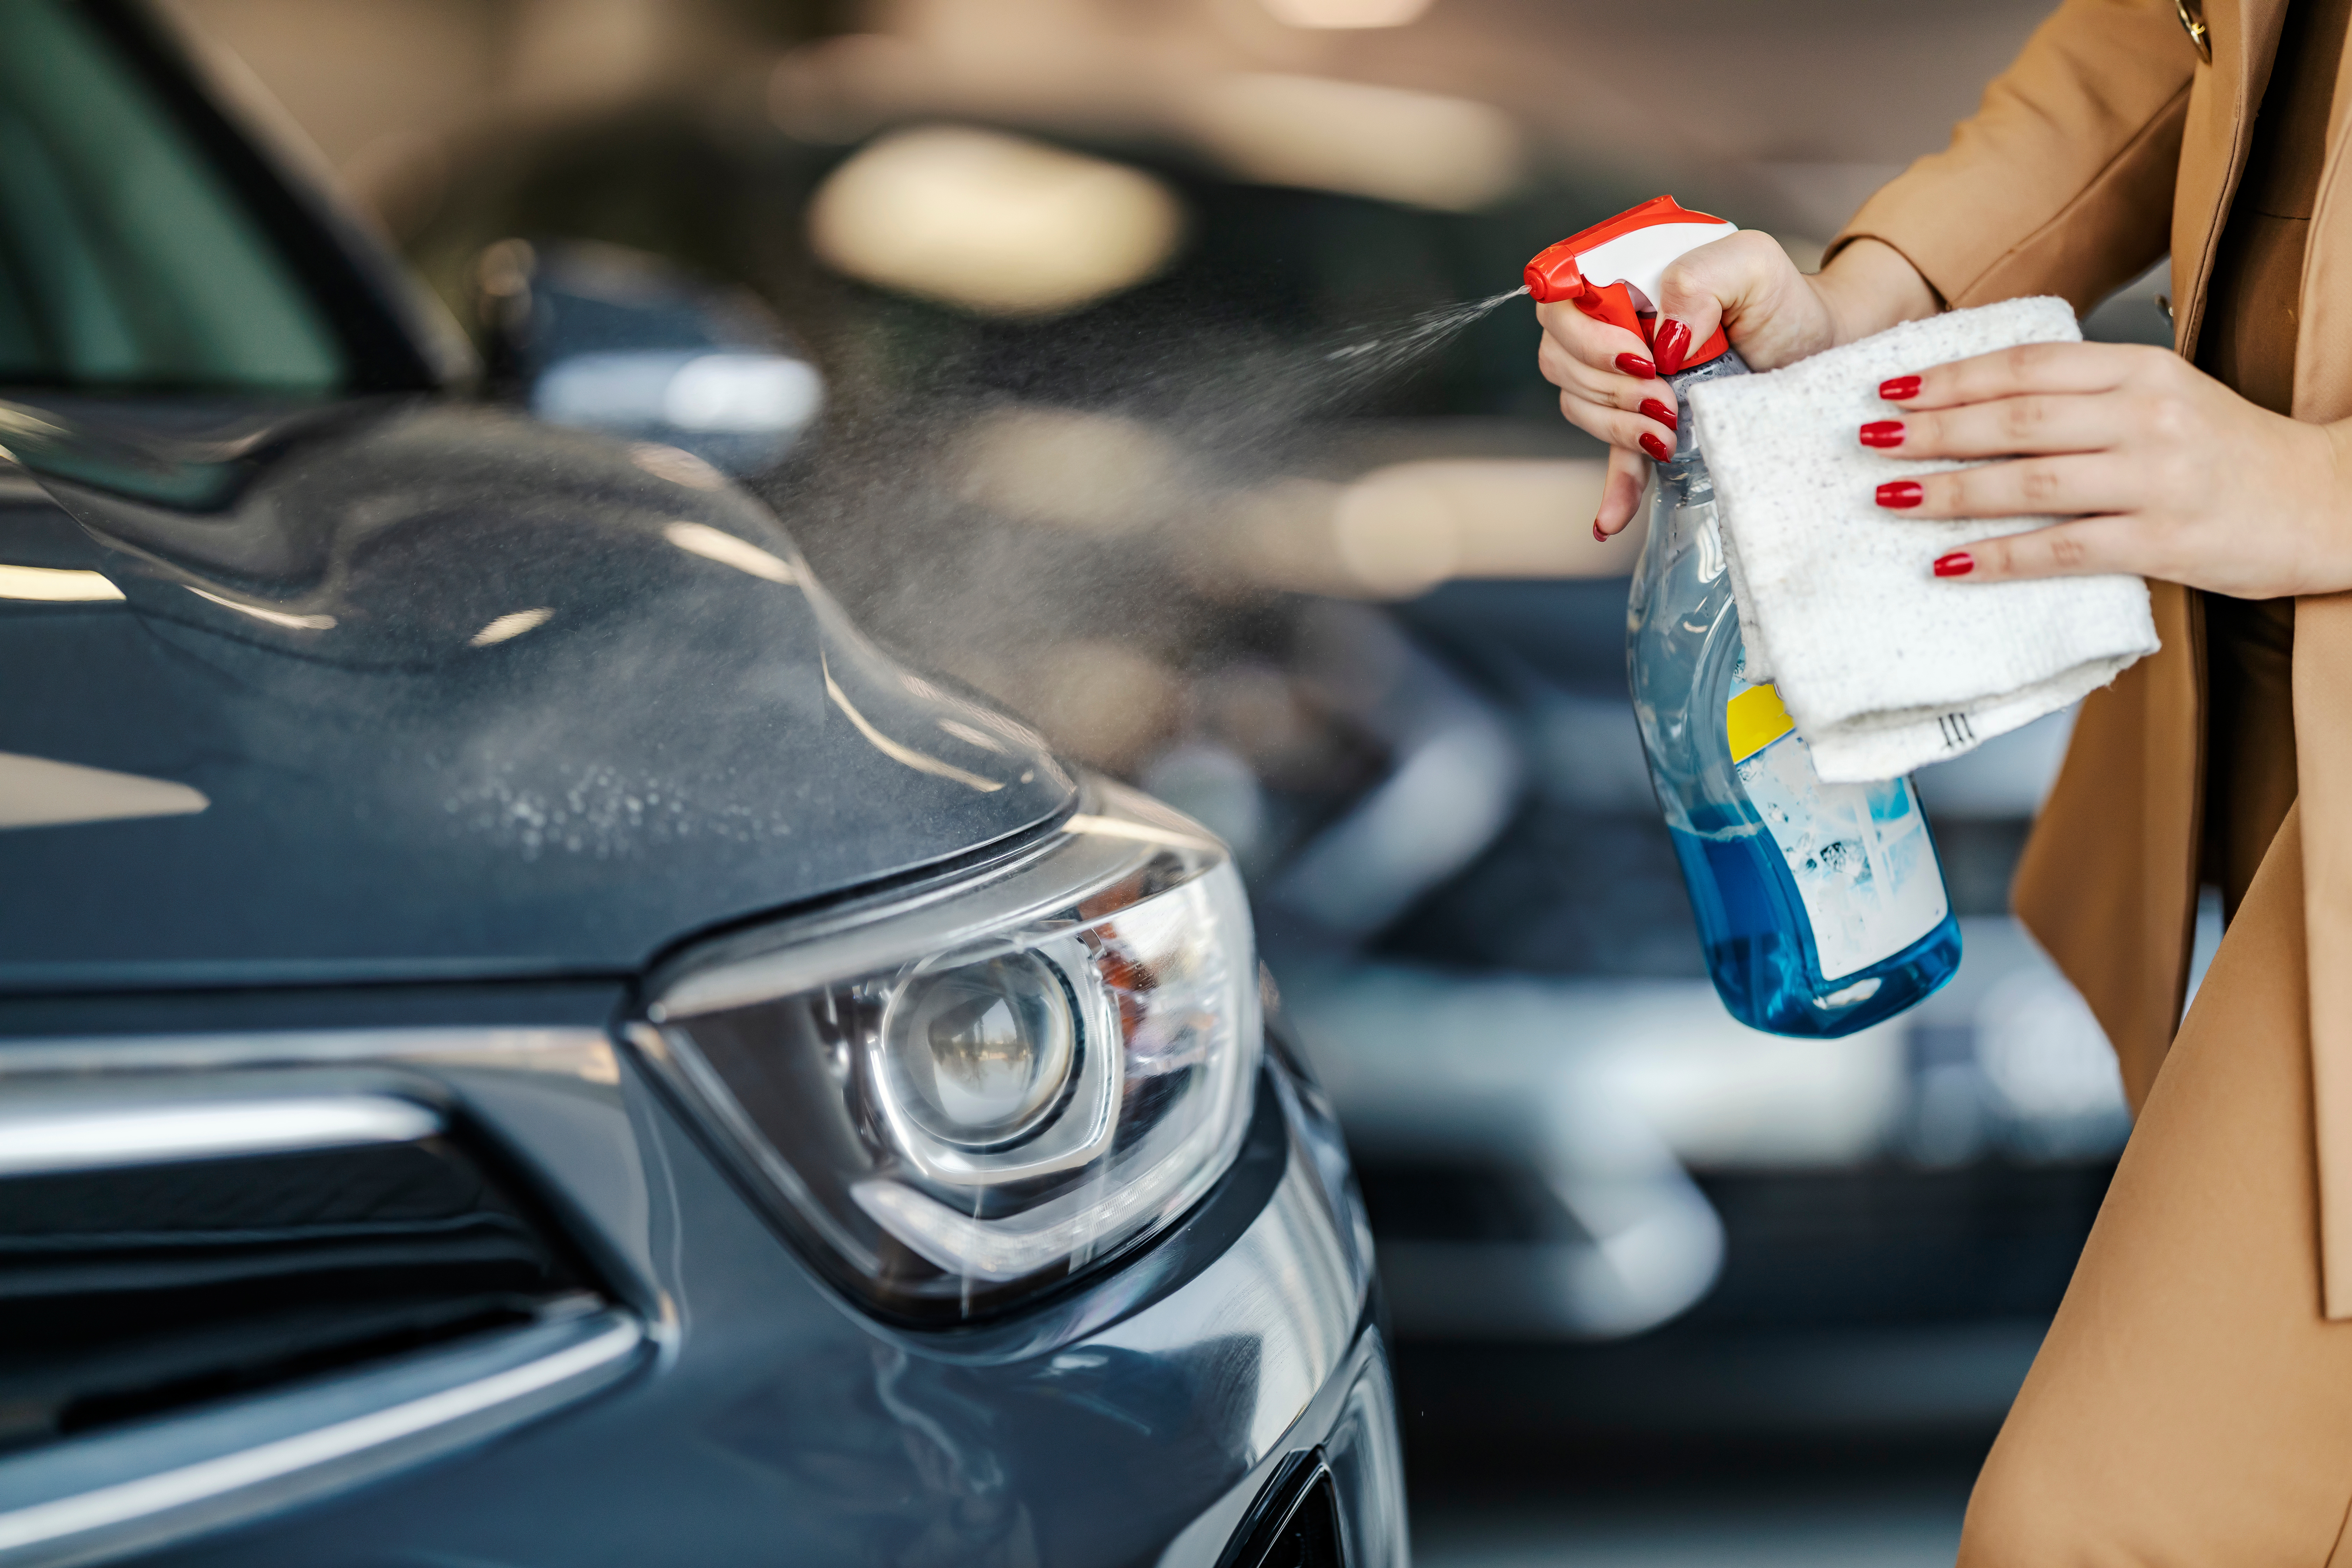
{"x":1703,"y":288}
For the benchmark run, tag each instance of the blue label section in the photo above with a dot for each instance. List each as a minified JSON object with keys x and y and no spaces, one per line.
{"x":1865,"y":867}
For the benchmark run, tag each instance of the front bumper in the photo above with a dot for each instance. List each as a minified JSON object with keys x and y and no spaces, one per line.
{"x":731,"y":1409}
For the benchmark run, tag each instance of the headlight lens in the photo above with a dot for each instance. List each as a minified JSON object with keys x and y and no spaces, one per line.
{"x":969,"y":1096}
{"x":975,"y":1055}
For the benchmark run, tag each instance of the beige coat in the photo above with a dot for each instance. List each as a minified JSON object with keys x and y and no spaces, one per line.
{"x":2108,"y":141}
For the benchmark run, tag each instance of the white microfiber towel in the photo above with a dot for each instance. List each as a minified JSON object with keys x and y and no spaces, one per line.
{"x":1883,"y":666}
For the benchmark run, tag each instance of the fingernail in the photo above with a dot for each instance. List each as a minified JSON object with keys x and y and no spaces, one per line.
{"x":1883,"y":433}
{"x":1653,"y":409}
{"x":1958,"y":564}
{"x":1635,"y":365}
{"x":1663,"y":453}
{"x":1901,"y":492}
{"x":1598,"y":537}
{"x":1672,"y":345}
{"x":1901,"y":387}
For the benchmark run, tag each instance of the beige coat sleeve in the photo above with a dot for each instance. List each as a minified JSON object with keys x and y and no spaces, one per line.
{"x":2062,"y":183}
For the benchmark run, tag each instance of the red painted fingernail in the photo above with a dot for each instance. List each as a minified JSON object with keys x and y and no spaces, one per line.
{"x":1653,"y":409}
{"x":1635,"y":365}
{"x":1598,"y":537}
{"x":1672,"y":344}
{"x":1883,"y":433}
{"x":1899,"y":388}
{"x":1958,"y":564}
{"x":1901,"y":492}
{"x":1661,"y":451}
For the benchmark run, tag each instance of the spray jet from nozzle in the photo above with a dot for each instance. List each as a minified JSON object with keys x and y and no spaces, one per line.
{"x":1611,"y":270}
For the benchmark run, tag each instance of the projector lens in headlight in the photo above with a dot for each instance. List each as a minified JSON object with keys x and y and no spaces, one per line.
{"x":960,"y":1098}
{"x":977,"y":1054}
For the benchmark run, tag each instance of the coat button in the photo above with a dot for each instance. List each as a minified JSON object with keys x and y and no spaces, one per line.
{"x":2192,"y":22}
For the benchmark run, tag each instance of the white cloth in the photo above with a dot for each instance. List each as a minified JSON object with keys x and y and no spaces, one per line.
{"x":1883,"y":666}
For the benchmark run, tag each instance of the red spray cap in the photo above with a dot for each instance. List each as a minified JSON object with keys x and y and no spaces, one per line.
{"x":1611,"y":270}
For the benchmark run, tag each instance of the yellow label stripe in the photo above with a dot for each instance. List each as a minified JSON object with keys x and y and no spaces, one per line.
{"x":1754,"y":719}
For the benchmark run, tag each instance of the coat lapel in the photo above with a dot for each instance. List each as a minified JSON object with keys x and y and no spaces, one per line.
{"x":2323,"y":722}
{"x":2322,"y":739}
{"x":2220,"y":129}
{"x":2217,"y":139}
{"x":2323,"y":380}
{"x":2254,"y":23}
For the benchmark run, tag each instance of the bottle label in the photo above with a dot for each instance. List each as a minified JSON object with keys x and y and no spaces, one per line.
{"x":1865,"y":867}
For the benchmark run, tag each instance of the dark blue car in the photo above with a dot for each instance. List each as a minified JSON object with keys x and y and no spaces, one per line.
{"x":524,"y":1040}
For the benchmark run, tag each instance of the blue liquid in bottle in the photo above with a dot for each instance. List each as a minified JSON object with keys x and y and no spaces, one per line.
{"x":1821,"y":906}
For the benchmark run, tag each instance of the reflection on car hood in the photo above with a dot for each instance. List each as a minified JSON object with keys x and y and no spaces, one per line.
{"x":411,"y":689}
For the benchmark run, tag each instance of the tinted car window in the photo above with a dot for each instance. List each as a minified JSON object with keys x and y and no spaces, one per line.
{"x":126,"y":259}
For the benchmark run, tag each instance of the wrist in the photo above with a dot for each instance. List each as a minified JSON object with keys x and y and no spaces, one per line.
{"x":1868,"y":287}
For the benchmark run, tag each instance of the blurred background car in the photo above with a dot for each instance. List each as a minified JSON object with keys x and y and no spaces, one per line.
{"x":1153,"y":397}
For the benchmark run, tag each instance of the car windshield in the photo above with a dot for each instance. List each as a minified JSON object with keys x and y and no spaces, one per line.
{"x":128,"y":260}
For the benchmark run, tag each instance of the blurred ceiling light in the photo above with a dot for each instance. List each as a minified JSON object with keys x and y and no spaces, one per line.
{"x":701,"y":539}
{"x":1418,"y":148}
{"x":1395,"y":540}
{"x":747,"y":392}
{"x":1496,"y":517}
{"x":56,"y":587}
{"x":1347,"y":12}
{"x":739,"y":392}
{"x":1095,"y":472}
{"x":37,"y":792}
{"x":991,"y":223}
{"x":1401,"y":530}
{"x":508,"y":627}
{"x":275,"y":618}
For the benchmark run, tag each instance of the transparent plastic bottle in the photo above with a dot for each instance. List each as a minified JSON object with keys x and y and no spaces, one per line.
{"x":1821,"y":906}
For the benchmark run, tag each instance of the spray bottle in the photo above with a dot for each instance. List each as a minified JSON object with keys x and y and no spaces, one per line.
{"x":1821,"y":906}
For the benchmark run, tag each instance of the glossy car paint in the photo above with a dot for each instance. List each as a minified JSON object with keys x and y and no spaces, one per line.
{"x":310,"y":636}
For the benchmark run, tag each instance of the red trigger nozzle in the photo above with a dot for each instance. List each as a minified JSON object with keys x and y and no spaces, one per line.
{"x":1552,"y":276}
{"x":1611,"y":270}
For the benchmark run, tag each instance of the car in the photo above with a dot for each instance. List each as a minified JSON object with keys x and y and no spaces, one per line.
{"x":524,"y":1036}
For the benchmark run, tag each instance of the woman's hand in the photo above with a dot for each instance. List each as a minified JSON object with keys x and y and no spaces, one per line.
{"x":2164,"y":471}
{"x":1774,"y":314}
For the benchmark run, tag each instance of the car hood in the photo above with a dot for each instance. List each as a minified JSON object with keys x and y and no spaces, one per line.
{"x":412,"y":689}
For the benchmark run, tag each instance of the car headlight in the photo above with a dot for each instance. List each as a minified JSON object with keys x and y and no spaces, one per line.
{"x":969,"y":1094}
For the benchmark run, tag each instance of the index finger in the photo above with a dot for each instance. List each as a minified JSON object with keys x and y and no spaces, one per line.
{"x":2029,"y":368}
{"x":1596,"y":344}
